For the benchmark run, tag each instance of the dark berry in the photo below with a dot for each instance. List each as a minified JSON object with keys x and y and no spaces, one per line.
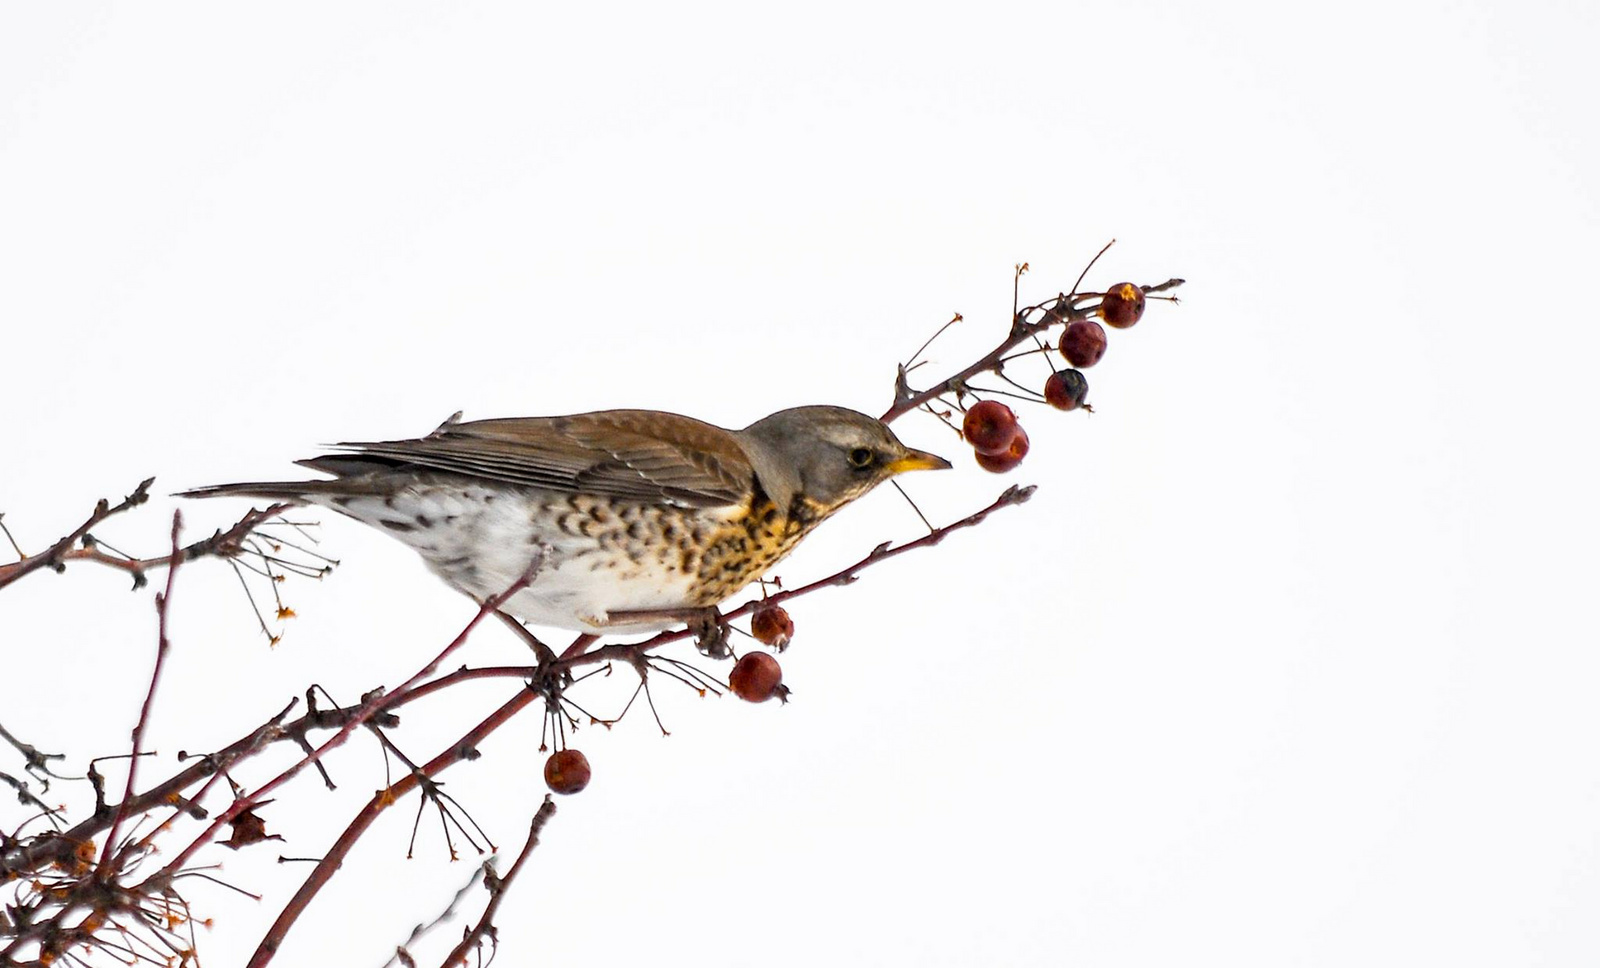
{"x":1122,"y":305}
{"x":1083,"y":342}
{"x":566,"y":771}
{"x":989,"y":427}
{"x":756,"y":677}
{"x":1066,"y":389}
{"x":773,"y":626}
{"x":1011,"y":457}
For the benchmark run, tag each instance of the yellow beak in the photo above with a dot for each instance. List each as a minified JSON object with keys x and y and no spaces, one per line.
{"x":917,"y":460}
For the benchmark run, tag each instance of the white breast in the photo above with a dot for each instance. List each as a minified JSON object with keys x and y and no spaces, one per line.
{"x":481,"y":541}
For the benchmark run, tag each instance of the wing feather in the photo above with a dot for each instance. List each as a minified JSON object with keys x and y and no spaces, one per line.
{"x":632,"y":454}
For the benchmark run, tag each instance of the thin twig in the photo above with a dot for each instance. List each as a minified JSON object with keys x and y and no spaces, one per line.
{"x":333,"y":858}
{"x":222,"y":544}
{"x":52,"y":557}
{"x":497,"y":886}
{"x":1058,"y":310}
{"x":369,"y":708}
{"x":163,"y":646}
{"x":401,"y":954}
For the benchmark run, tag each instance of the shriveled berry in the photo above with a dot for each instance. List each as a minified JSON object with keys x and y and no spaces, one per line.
{"x":756,"y":677}
{"x":1000,"y":463}
{"x":1122,"y":305}
{"x":566,"y":771}
{"x":1083,"y":342}
{"x":989,"y":426}
{"x":1066,"y":389}
{"x":773,"y":626}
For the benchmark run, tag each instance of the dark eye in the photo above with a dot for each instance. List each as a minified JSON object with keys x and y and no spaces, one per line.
{"x":860,"y":457}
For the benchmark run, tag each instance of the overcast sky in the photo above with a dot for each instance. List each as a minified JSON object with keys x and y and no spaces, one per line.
{"x":1289,"y":662}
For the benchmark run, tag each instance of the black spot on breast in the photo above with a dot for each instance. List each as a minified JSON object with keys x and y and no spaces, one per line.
{"x":424,"y":521}
{"x":400,"y":526}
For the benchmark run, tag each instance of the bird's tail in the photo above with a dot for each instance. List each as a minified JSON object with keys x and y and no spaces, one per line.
{"x":297,"y":492}
{"x":273,"y":491}
{"x":358,"y":476}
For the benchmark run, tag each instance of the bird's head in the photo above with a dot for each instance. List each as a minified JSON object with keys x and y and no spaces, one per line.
{"x":828,"y":455}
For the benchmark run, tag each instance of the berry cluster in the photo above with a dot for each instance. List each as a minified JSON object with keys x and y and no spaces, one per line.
{"x":998,"y":441}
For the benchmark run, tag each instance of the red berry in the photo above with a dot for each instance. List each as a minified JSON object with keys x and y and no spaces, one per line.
{"x":1066,"y":389}
{"x":1122,"y":305}
{"x":989,"y":427}
{"x":566,"y":771}
{"x":1083,"y":342}
{"x":1005,"y":461}
{"x":773,"y":626}
{"x":756,"y":677}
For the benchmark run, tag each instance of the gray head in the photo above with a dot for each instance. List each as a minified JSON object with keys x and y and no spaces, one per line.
{"x":829,"y":454}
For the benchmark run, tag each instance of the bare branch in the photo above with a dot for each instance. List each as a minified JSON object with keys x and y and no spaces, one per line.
{"x":54,"y":556}
{"x":497,"y":888}
{"x":163,"y":646}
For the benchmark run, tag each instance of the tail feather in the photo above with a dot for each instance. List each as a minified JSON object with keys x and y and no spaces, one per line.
{"x":296,"y":491}
{"x":299,"y":492}
{"x":358,"y":476}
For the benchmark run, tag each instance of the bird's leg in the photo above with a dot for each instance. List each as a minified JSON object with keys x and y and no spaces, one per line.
{"x":544,"y":652}
{"x":710,"y":631}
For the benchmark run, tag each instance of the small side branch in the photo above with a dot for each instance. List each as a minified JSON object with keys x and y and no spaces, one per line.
{"x":1061,"y":310}
{"x":497,"y":886}
{"x":55,"y":556}
{"x":371,"y":707}
{"x":163,"y":646}
{"x":333,"y":859}
{"x":80,"y":545}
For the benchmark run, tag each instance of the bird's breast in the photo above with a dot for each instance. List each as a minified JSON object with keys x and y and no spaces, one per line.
{"x":749,"y":543}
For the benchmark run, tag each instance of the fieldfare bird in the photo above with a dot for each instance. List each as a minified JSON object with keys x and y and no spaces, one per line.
{"x":641,"y":519}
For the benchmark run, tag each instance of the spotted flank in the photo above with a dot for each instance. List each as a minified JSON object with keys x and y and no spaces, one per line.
{"x":600,"y":555}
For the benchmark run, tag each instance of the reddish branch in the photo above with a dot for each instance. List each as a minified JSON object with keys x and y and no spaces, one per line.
{"x":464,"y":748}
{"x":55,"y":556}
{"x":163,"y":646}
{"x":55,"y":848}
{"x":497,"y":886}
{"x":223,"y":544}
{"x":368,"y":709}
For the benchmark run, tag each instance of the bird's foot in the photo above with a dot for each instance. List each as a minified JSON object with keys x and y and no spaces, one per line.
{"x":707,"y":625}
{"x":711,"y":633}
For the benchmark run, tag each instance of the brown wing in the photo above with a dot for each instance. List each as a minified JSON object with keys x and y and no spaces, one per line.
{"x":638,"y":454}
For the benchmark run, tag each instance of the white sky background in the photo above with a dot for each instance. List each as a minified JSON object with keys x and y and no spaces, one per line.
{"x":1284,"y":664}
